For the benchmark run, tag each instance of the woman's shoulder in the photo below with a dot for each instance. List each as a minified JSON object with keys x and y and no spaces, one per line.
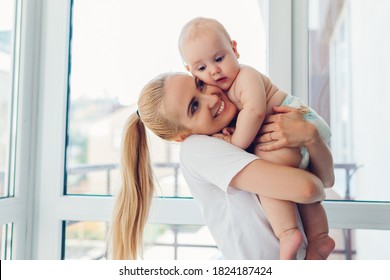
{"x":207,"y":148}
{"x":195,"y":144}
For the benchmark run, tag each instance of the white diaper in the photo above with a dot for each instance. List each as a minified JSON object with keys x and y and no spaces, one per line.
{"x":312,"y":117}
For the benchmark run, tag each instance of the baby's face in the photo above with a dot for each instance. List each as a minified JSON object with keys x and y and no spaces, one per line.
{"x":212,"y":58}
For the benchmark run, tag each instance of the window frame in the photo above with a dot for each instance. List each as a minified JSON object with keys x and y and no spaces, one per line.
{"x":39,"y":206}
{"x":17,"y":209}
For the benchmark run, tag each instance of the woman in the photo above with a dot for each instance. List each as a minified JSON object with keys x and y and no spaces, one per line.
{"x":224,"y":179}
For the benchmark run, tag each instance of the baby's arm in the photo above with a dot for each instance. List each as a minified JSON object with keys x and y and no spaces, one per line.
{"x":250,"y":92}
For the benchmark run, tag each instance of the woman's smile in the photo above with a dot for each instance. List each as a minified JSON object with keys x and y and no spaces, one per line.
{"x":220,"y":109}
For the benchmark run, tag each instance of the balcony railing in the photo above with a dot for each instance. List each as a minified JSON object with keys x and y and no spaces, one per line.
{"x":108,"y":168}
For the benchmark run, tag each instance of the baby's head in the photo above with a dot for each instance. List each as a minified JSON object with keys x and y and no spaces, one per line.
{"x":208,"y":52}
{"x":201,"y":26}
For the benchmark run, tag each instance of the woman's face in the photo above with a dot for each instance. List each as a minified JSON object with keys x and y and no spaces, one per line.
{"x":201,"y":108}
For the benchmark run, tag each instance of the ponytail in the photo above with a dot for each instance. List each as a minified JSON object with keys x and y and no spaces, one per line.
{"x":133,"y":202}
{"x":135,"y":197}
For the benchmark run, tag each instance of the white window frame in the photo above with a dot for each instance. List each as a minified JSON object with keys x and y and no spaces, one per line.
{"x":39,"y":206}
{"x":17,"y":209}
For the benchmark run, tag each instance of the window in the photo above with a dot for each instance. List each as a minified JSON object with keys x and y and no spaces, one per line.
{"x":110,"y":61}
{"x":348,"y":60}
{"x":6,"y":241}
{"x":348,"y":66}
{"x":8,"y":96}
{"x":85,"y":240}
{"x":10,"y":19}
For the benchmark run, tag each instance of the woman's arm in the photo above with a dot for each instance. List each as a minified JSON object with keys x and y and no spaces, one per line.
{"x":290,"y":129}
{"x":206,"y":160}
{"x":321,"y":160}
{"x":279,"y":182}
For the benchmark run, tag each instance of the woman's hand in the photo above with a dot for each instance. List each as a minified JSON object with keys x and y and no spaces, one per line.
{"x":286,"y":129}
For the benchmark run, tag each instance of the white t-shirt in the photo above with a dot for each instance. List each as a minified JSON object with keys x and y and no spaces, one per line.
{"x":235,"y":218}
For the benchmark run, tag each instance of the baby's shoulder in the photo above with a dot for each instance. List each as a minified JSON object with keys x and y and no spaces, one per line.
{"x":248,"y":69}
{"x":248,"y":74}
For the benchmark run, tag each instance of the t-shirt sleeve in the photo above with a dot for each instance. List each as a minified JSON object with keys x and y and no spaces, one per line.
{"x":212,"y":160}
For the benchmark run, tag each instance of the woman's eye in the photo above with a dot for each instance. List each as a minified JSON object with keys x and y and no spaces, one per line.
{"x":194,"y":106}
{"x":200,"y":85}
{"x":219,"y":59}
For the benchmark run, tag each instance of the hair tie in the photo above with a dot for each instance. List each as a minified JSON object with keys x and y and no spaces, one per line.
{"x":138,"y":114}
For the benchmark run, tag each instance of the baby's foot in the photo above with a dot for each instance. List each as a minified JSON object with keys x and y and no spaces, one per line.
{"x":290,"y":241}
{"x":320,"y":248}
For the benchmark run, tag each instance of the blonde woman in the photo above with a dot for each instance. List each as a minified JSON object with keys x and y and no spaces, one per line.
{"x":225,"y":180}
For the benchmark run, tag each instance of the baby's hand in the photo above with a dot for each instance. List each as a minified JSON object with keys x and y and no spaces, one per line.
{"x":222,"y":136}
{"x":228,"y":130}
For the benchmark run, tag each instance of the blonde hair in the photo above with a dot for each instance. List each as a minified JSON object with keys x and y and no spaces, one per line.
{"x":135,"y":197}
{"x":197,"y":26}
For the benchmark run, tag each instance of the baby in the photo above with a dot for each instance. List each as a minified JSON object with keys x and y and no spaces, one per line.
{"x":212,"y":57}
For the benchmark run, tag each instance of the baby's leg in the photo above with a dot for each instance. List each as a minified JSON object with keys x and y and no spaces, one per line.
{"x":320,"y":244}
{"x":282,"y":217}
{"x":281,"y":214}
{"x":287,"y":156}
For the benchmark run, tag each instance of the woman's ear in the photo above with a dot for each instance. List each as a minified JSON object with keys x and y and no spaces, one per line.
{"x":234,"y":47}
{"x":180,"y":139}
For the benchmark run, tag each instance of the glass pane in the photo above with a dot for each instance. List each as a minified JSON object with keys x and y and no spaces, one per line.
{"x":179,"y":242}
{"x":7,"y":90}
{"x":6,"y":232}
{"x":85,"y":240}
{"x":349,"y":66}
{"x":360,"y":244}
{"x":116,"y":48}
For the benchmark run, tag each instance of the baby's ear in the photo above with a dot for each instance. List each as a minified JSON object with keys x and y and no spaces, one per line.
{"x":234,"y":47}
{"x":188,"y":68}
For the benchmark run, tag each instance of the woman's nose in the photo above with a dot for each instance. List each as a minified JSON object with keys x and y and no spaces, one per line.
{"x":211,"y":100}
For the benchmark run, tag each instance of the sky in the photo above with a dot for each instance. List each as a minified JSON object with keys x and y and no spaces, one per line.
{"x":118,"y":46}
